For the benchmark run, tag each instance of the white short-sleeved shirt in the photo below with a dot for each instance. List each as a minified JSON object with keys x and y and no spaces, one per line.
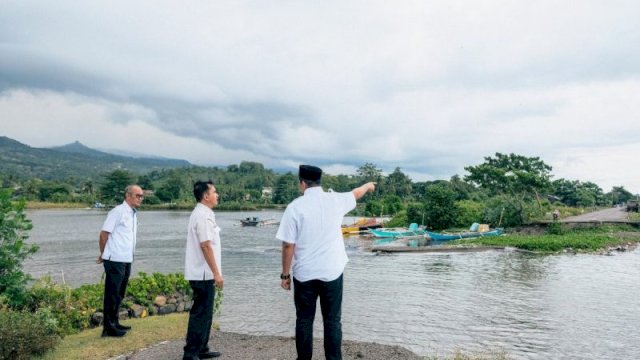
{"x":122,"y":225}
{"x":202,"y":227}
{"x":313,"y":223}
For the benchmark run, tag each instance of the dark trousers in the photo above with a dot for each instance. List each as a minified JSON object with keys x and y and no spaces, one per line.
{"x":115,"y":288}
{"x":306,"y":295}
{"x":200,"y":317}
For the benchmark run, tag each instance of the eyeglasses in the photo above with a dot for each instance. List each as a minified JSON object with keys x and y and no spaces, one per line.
{"x":138,"y":196}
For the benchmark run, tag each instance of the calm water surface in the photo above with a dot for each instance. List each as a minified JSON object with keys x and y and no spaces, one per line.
{"x":532,"y":307}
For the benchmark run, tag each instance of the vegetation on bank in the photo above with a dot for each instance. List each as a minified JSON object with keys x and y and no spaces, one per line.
{"x":505,"y":190}
{"x":558,"y":238}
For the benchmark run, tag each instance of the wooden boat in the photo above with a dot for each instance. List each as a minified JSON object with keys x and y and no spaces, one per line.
{"x":462,"y":235}
{"x":413,"y":230}
{"x":360,"y":225}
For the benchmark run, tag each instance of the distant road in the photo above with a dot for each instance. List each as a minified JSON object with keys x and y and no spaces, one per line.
{"x":609,"y":214}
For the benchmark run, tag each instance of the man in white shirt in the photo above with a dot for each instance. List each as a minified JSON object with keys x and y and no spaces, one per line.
{"x":311,"y":235}
{"x":202,"y":267}
{"x":117,"y":247}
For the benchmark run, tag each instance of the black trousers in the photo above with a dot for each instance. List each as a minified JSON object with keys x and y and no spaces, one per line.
{"x":115,"y":288}
{"x":200,"y":317}
{"x":305,"y":295}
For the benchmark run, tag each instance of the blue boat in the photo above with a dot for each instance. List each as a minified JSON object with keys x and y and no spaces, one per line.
{"x":462,"y":235}
{"x":413,"y":230}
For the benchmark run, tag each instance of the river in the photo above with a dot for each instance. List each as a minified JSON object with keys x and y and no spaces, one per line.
{"x":531,"y":307}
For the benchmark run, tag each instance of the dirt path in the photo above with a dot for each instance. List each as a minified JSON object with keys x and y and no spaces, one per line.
{"x":608,"y":214}
{"x":250,"y":347}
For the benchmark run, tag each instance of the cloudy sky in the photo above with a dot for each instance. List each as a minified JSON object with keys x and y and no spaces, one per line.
{"x":429,"y":86}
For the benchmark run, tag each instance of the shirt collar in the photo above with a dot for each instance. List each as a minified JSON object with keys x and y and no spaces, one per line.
{"x":313,"y":190}
{"x":132,"y":210}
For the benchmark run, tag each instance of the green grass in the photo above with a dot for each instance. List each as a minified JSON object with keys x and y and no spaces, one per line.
{"x":89,"y":344}
{"x":582,"y":240}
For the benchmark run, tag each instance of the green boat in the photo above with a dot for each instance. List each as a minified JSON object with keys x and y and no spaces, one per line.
{"x":412,"y":230}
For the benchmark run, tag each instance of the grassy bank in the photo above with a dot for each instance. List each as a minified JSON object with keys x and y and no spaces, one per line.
{"x":581,"y":240}
{"x":155,"y":329}
{"x":148,"y":331}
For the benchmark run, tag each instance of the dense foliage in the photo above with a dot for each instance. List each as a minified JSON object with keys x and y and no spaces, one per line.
{"x":14,"y":226}
{"x":505,"y":190}
{"x":24,"y":335}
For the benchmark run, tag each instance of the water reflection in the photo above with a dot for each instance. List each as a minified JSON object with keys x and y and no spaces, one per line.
{"x":534,"y":307}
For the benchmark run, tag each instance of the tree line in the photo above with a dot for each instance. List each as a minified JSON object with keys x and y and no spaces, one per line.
{"x":506,"y":189}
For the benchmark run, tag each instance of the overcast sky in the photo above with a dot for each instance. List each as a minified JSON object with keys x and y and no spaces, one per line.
{"x":429,"y":86}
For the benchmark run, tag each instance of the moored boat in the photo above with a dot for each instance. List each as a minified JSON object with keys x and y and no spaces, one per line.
{"x":462,"y":235}
{"x":413,"y":230}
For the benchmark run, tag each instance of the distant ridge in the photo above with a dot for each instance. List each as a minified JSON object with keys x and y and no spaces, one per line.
{"x":72,"y":160}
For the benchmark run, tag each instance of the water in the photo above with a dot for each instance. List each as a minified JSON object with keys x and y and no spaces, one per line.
{"x":532,"y":307}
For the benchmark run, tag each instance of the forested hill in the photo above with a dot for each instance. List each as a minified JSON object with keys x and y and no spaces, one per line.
{"x":73,"y":160}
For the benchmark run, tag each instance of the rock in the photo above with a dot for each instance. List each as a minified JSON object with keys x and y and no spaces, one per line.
{"x":180,"y":307}
{"x":96,"y":318}
{"x":138,"y":311}
{"x":167,"y":309}
{"x":123,"y":314}
{"x":188,"y":305}
{"x":172,"y":301}
{"x":160,"y":301}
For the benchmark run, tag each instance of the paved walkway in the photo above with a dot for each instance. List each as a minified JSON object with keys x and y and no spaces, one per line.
{"x":617,"y":214}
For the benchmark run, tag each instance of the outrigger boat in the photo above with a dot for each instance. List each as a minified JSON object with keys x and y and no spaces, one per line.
{"x":413,"y":230}
{"x":256,"y":221}
{"x":361,"y":225}
{"x":462,"y":235}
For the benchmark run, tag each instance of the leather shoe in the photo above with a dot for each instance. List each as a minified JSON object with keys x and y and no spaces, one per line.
{"x":113,"y":332}
{"x":194,"y":357}
{"x":209,"y":355}
{"x":122,"y":327}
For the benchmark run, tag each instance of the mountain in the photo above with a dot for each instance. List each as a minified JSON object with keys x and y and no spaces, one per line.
{"x":71,"y":160}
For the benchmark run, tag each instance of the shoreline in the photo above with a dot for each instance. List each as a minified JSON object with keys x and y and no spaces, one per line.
{"x":255,"y":347}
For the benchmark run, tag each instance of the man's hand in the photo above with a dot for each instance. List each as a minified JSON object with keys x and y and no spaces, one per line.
{"x":219,"y":282}
{"x":286,"y":284}
{"x":99,"y":259}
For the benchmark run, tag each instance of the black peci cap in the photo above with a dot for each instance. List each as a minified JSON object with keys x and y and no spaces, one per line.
{"x":310,"y":172}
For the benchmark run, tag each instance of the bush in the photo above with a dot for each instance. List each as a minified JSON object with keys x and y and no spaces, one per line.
{"x":14,"y":227}
{"x":24,"y":335}
{"x":469,"y":212}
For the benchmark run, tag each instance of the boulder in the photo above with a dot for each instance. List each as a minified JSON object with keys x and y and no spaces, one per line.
{"x":160,"y":301}
{"x":96,"y":318}
{"x":167,"y":309}
{"x":138,"y":311}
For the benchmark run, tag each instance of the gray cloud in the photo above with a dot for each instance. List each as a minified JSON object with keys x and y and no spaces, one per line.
{"x":430,"y":87}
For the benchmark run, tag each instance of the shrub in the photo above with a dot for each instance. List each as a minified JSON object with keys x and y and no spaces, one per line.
{"x":14,"y":227}
{"x":469,"y":212}
{"x":24,"y":335}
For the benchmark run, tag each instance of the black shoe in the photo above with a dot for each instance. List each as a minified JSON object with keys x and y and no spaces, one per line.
{"x":193,"y":357}
{"x":123,"y":327}
{"x":113,"y":332}
{"x":209,"y":355}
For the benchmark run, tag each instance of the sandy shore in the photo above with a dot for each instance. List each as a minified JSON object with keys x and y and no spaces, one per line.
{"x":250,"y":347}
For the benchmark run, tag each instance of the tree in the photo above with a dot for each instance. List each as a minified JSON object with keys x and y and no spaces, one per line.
{"x":171,"y":190}
{"x":112,"y":191}
{"x":520,"y":177}
{"x":619,"y":195}
{"x":369,"y":172}
{"x":398,"y":183}
{"x":14,"y":227}
{"x":439,"y":206}
{"x":286,"y":189}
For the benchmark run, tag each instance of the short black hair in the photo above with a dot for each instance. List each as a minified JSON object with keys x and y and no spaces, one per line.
{"x":311,"y":183}
{"x":200,"y":188}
